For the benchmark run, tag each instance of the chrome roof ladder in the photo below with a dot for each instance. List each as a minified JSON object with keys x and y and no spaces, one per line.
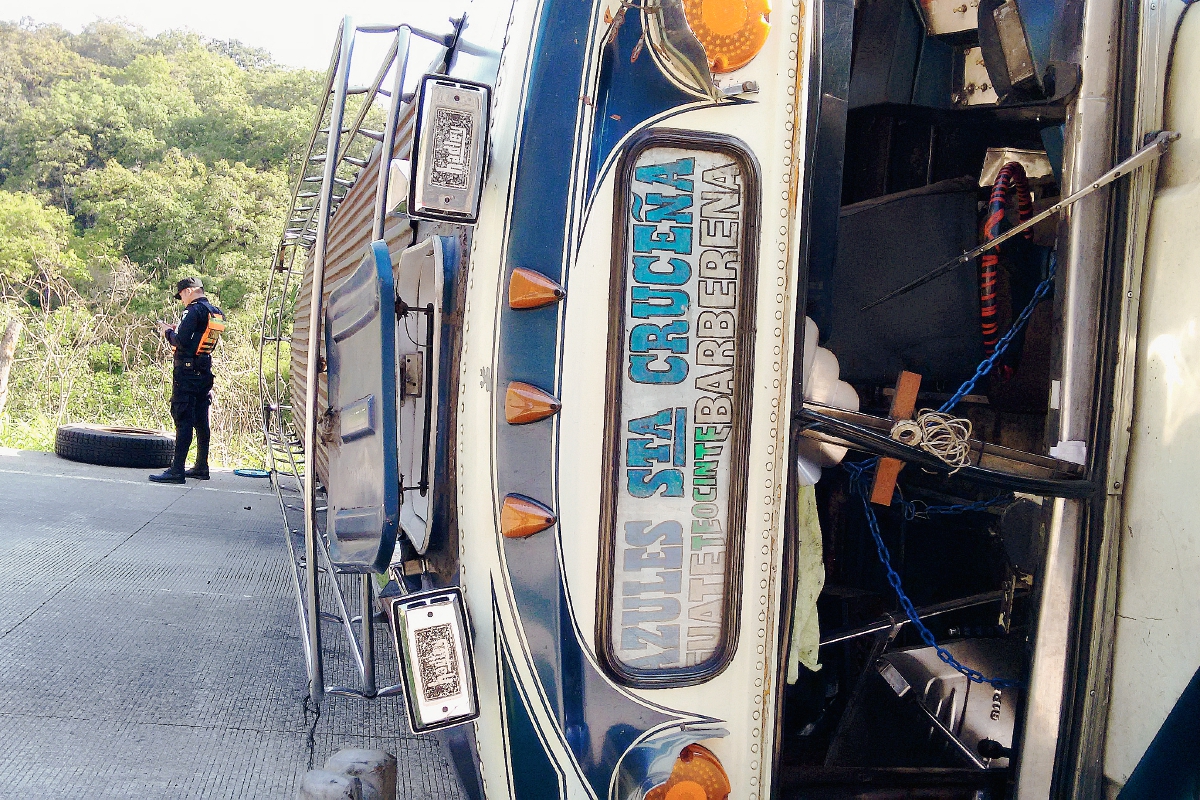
{"x":342,"y":152}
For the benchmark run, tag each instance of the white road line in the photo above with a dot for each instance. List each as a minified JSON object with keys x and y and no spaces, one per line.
{"x":128,"y":483}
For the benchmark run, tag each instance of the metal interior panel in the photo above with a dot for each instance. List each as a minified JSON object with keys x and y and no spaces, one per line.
{"x":829,"y":150}
{"x":420,"y":283}
{"x":969,"y":712}
{"x":887,"y":43}
{"x":936,"y":329}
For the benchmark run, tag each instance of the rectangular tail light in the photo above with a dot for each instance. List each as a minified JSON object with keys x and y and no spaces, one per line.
{"x":436,"y":664}
{"x":449,"y":149}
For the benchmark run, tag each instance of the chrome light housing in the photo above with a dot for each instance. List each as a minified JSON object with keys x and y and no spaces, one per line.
{"x":449,"y":150}
{"x":433,"y":641}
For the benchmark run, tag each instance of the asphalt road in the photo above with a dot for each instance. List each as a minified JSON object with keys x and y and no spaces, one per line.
{"x":149,"y":646}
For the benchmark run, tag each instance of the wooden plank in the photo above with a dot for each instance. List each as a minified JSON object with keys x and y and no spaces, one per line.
{"x":904,"y":404}
{"x":886,"y":473}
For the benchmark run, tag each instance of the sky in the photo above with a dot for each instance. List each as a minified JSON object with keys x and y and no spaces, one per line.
{"x":298,"y":34}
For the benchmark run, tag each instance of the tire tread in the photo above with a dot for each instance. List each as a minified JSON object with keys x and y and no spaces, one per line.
{"x":114,"y":448}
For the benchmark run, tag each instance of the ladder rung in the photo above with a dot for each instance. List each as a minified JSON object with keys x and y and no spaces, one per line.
{"x":343,"y":182}
{"x":377,"y":28}
{"x":305,"y":194}
{"x":376,"y":135}
{"x":355,"y":162}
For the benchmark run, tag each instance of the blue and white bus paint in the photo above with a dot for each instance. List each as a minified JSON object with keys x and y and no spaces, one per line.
{"x":582,"y":137}
{"x":650,"y":615}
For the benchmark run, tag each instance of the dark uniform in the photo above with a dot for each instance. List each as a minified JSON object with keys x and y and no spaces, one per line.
{"x":191,"y":382}
{"x":193,"y":341}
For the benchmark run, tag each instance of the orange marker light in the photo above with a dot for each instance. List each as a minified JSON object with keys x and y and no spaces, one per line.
{"x":696,"y":775}
{"x":525,"y":403}
{"x":521,"y":517}
{"x":529,"y":289}
{"x":687,"y":790}
{"x":732,"y":31}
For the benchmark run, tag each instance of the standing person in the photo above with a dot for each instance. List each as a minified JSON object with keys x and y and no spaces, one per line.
{"x":191,"y":378}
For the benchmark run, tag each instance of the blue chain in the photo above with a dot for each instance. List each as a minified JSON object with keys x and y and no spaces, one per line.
{"x":988,"y":363}
{"x":917,"y":509}
{"x":859,"y":484}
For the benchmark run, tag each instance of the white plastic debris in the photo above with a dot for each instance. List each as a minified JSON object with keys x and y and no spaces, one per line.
{"x":821,"y":385}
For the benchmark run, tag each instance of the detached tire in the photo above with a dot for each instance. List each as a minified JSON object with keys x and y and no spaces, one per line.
{"x":114,"y":447}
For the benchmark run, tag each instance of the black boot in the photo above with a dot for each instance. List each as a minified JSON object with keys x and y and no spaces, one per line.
{"x":168,"y":476}
{"x":200,"y":471}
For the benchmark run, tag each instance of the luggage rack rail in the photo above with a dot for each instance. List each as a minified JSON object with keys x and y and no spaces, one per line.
{"x":338,"y":151}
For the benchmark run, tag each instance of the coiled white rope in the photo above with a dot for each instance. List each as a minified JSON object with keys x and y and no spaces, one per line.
{"x":939,"y":434}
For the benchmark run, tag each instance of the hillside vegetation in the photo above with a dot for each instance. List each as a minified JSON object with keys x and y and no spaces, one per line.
{"x":126,"y":163}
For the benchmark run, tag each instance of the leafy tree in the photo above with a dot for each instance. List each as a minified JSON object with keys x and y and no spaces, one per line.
{"x":182,"y":211}
{"x":243,"y":55}
{"x":286,"y":89}
{"x":112,"y":42}
{"x":31,"y":58}
{"x":35,"y":245}
{"x":83,"y":124}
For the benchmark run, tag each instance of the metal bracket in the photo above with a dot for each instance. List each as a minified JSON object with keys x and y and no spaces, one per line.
{"x":413,"y":375}
{"x":746,"y":87}
{"x":418,"y":386}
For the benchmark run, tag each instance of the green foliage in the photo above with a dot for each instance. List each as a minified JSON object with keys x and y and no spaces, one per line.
{"x":34,"y":244}
{"x":29,"y":61}
{"x":111,"y":42}
{"x":126,"y":163}
{"x":183,"y":212}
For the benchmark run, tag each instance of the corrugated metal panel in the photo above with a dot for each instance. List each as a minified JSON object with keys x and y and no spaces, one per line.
{"x":347,"y":239}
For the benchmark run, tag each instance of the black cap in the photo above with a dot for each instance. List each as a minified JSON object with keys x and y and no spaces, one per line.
{"x":187,"y":283}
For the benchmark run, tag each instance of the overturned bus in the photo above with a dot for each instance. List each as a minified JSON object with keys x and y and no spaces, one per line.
{"x":711,"y":398}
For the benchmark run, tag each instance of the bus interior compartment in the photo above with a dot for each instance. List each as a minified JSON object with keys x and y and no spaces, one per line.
{"x":911,"y":709}
{"x":912,"y":198}
{"x":908,"y":156}
{"x":885,"y":712}
{"x":886,"y":242}
{"x":967,"y":574}
{"x":923,"y":107}
{"x":953,"y":54}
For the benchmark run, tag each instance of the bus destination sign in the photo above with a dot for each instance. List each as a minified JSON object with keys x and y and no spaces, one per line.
{"x":676,"y":416}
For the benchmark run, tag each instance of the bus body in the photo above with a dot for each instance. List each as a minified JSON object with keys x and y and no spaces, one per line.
{"x":585,"y":374}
